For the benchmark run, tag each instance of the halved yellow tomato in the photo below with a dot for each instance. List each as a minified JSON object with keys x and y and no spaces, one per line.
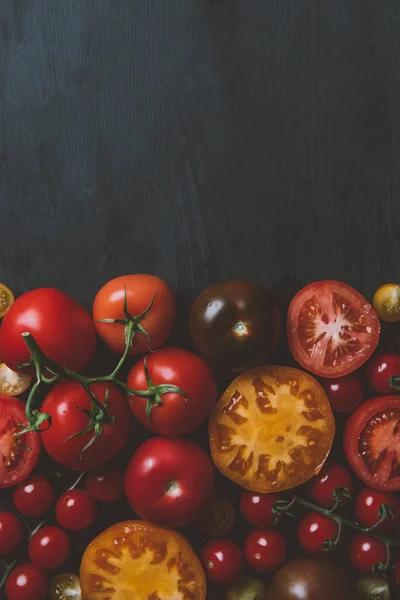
{"x":6,"y":299}
{"x":136,"y":559}
{"x":387,"y":302}
{"x":12,"y":383}
{"x":272,"y":429}
{"x":65,"y":586}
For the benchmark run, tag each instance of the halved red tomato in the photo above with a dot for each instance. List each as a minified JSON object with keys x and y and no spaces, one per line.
{"x":372,"y":442}
{"x":332,"y":329}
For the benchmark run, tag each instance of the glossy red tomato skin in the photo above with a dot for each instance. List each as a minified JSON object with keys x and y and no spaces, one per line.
{"x":63,"y":329}
{"x":140,"y":290}
{"x":332,"y":476}
{"x":62,"y":404}
{"x":265,"y":550}
{"x":257,"y":508}
{"x":49,"y":548}
{"x":314,"y":528}
{"x":380,"y":368}
{"x":345,"y":394}
{"x":106,"y":483}
{"x":367,"y":505}
{"x":177,"y":415}
{"x":365,"y":552}
{"x":223,"y":561}
{"x":26,"y":453}
{"x":75,"y":510}
{"x":34,"y":496}
{"x":27,"y":582}
{"x":11,"y":533}
{"x":169,"y":481}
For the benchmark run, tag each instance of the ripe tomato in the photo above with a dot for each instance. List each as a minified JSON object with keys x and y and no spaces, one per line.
{"x":265,"y":550}
{"x":365,"y":552}
{"x":315,"y":531}
{"x":380,"y":369}
{"x":65,"y":586}
{"x":18,"y":456}
{"x":387,"y":302}
{"x":222,"y":561}
{"x":331,"y":477}
{"x":13,"y":383}
{"x":172,"y":414}
{"x":33,"y":497}
{"x":218,"y":518}
{"x":140,"y":291}
{"x":75,"y":510}
{"x":49,"y":548}
{"x":11,"y":533}
{"x":62,"y":328}
{"x":6,"y":299}
{"x":27,"y":582}
{"x":169,"y":482}
{"x":66,"y":404}
{"x":372,"y":442}
{"x":332,"y":330}
{"x":136,"y":559}
{"x":235,"y":324}
{"x":367,"y":507}
{"x":272,"y":429}
{"x":257,"y":508}
{"x":106,"y":483}
{"x":344,"y":393}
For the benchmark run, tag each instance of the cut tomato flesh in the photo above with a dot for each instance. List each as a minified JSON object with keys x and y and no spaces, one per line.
{"x":10,"y":453}
{"x":379,"y":444}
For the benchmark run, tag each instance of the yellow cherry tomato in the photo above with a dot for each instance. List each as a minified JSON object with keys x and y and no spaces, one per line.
{"x":6,"y":299}
{"x":12,"y":383}
{"x":65,"y":587}
{"x":387,"y":302}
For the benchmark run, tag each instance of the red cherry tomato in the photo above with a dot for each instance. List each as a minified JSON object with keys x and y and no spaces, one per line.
{"x":140,"y":291}
{"x":380,"y":368}
{"x":218,"y":518}
{"x":27,"y":582}
{"x":331,"y":477}
{"x":344,"y":393}
{"x":106,"y":483}
{"x":66,"y":404}
{"x":223,"y":562}
{"x":34,"y":497}
{"x":367,"y":507}
{"x":75,"y":510}
{"x":257,"y":508}
{"x":63,"y":329}
{"x":49,"y":548}
{"x":265,"y":550}
{"x":314,"y":532}
{"x":365,"y":552}
{"x":11,"y":533}
{"x":169,"y":482}
{"x":332,"y":330}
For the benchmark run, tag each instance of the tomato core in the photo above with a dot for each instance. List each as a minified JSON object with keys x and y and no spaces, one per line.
{"x":379,"y":443}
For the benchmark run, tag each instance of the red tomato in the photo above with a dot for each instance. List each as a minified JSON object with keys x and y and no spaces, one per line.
{"x":218,"y":518}
{"x":75,"y":510}
{"x":315,"y":531}
{"x":223,"y":562}
{"x":34,"y":497}
{"x":27,"y":582}
{"x":140,"y":291}
{"x":265,"y":550}
{"x":380,"y":369}
{"x":257,"y":508}
{"x":372,"y":442}
{"x":106,"y":483}
{"x":64,"y":404}
{"x":18,"y":456}
{"x":331,"y":477}
{"x":332,"y":330}
{"x":344,"y":393}
{"x":11,"y":533}
{"x":63,"y":329}
{"x":172,"y":414}
{"x":169,"y":482}
{"x":49,"y":548}
{"x":365,"y":552}
{"x":367,"y":507}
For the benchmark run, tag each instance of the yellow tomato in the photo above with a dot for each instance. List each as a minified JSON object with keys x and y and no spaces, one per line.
{"x":12,"y":383}
{"x":65,"y":587}
{"x":387,"y":302}
{"x":6,"y":299}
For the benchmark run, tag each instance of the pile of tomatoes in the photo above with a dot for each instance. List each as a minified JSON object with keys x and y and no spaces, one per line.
{"x":270,"y":438}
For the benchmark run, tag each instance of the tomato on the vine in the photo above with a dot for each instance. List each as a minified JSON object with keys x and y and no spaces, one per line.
{"x":11,"y":533}
{"x":367,"y":506}
{"x":387,"y":302}
{"x":344,"y":393}
{"x":331,"y":477}
{"x":6,"y":299}
{"x":13,"y":383}
{"x":34,"y":496}
{"x":75,"y":510}
{"x":317,"y":532}
{"x":218,"y":518}
{"x":258,"y":508}
{"x":49,"y":548}
{"x":365,"y":552}
{"x":105,"y":483}
{"x":222,"y":561}
{"x":265,"y":550}
{"x":380,"y":369}
{"x":27,"y":582}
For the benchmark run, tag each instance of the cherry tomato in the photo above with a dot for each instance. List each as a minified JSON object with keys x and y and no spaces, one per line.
{"x":367,"y":507}
{"x":49,"y":548}
{"x":105,"y":483}
{"x":365,"y":552}
{"x":152,"y":563}
{"x":34,"y":497}
{"x":66,"y":404}
{"x":257,"y":508}
{"x":75,"y":510}
{"x":315,"y":531}
{"x":218,"y":518}
{"x":249,"y":588}
{"x":27,"y":582}
{"x":373,"y":587}
{"x":169,"y":482}
{"x":6,"y":299}
{"x":380,"y":368}
{"x":175,"y":415}
{"x":332,"y":330}
{"x":387,"y":302}
{"x":63,"y":329}
{"x":222,"y":561}
{"x":13,"y":383}
{"x":272,"y":429}
{"x":344,"y":393}
{"x":265,"y":550}
{"x":372,"y":442}
{"x":140,"y":291}
{"x":331,"y":477}
{"x":18,"y":457}
{"x":11,"y":533}
{"x":65,"y":586}
{"x":234,"y":325}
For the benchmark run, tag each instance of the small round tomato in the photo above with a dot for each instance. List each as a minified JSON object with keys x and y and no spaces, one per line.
{"x":34,"y":497}
{"x":234,"y":325}
{"x":152,"y":563}
{"x":63,"y":329}
{"x":380,"y":369}
{"x":344,"y":393}
{"x":367,"y":506}
{"x":6,"y":299}
{"x":332,"y":330}
{"x":27,"y":582}
{"x":75,"y":510}
{"x":373,"y":587}
{"x":272,"y":429}
{"x":172,"y":414}
{"x":258,"y":508}
{"x":49,"y":548}
{"x":331,"y":477}
{"x":265,"y":550}
{"x":387,"y":302}
{"x":316,"y":532}
{"x":222,"y":561}
{"x":218,"y":518}
{"x":106,"y":483}
{"x":372,"y":442}
{"x":67,"y":403}
{"x":65,"y":586}
{"x":11,"y":533}
{"x":140,"y":291}
{"x":365,"y":552}
{"x":169,"y":482}
{"x":13,"y":383}
{"x":18,"y":456}
{"x":249,"y":588}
